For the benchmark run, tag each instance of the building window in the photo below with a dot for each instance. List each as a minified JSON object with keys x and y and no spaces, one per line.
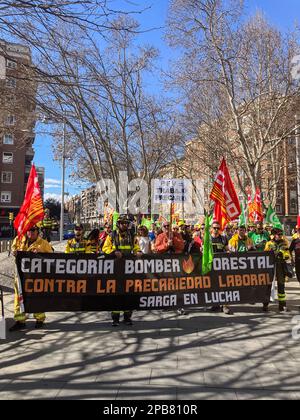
{"x":5,"y":197}
{"x":293,"y":202}
{"x":7,"y":157}
{"x":8,"y":139}
{"x":11,"y":82}
{"x":11,"y":64}
{"x":10,"y":99}
{"x":10,"y":120}
{"x":6,"y":177}
{"x":279,"y":209}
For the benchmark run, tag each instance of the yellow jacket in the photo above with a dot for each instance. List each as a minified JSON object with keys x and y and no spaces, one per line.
{"x":234,"y":243}
{"x":279,"y":247}
{"x":109,"y":247}
{"x":39,"y":246}
{"x":81,"y":247}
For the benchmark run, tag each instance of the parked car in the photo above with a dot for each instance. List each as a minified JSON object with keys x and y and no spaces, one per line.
{"x":69,"y":234}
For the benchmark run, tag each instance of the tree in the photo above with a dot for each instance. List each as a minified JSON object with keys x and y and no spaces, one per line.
{"x":113,"y":124}
{"x":239,"y":94}
{"x":54,"y":206}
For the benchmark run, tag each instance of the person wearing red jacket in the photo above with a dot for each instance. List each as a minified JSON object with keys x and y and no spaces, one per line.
{"x":169,"y":242}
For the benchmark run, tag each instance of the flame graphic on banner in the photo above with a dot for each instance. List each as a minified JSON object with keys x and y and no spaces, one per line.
{"x":188,"y":265}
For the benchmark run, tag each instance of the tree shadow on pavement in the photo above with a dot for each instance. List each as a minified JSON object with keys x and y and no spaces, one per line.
{"x":201,"y":356}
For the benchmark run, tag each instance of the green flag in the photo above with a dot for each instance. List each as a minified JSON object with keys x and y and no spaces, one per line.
{"x":115,"y":219}
{"x":148,"y":223}
{"x":242,"y":220}
{"x":273,"y":219}
{"x":208,"y":253}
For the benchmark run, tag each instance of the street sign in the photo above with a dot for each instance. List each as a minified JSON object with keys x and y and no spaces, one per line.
{"x":11,"y":216}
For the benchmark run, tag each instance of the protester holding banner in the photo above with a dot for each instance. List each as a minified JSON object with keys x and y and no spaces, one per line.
{"x":93,"y":241}
{"x":202,"y":231}
{"x":295,"y":249}
{"x":78,"y":245}
{"x":187,"y":236}
{"x":169,"y":242}
{"x":280,"y":246}
{"x":122,"y":242}
{"x":260,"y":237}
{"x":240,"y":242}
{"x":228,"y":231}
{"x":31,"y":242}
{"x":197,"y":241}
{"x":144,"y":240}
{"x":219,"y":241}
{"x":219,"y":244}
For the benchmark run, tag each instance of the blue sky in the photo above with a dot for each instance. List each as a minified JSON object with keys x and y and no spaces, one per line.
{"x":283,"y":14}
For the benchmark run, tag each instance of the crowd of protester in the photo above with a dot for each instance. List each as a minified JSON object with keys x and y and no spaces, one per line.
{"x":129,"y":238}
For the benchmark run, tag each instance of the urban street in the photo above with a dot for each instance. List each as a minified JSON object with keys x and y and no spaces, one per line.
{"x":163,"y":356}
{"x":149,"y":202}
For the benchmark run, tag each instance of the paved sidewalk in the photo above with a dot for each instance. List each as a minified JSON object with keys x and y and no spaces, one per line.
{"x":163,"y":356}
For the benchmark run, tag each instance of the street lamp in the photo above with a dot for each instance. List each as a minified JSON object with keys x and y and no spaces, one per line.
{"x":62,"y":210}
{"x":297,"y":134}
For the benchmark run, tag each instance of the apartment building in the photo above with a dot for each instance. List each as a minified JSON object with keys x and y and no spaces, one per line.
{"x":82,"y":208}
{"x":17,"y":123}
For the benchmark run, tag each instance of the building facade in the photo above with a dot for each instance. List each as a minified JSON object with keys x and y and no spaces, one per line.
{"x":17,"y":123}
{"x":82,"y":208}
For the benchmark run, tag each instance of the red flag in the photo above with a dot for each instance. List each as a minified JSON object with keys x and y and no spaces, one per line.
{"x":251,"y":215}
{"x":257,"y":207}
{"x":32,"y":210}
{"x":227,"y":206}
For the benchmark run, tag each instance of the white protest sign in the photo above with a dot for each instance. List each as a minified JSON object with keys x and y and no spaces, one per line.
{"x":168,"y":191}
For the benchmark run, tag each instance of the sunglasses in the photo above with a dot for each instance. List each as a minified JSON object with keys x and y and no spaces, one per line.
{"x":216,"y":228}
{"x":33,"y":230}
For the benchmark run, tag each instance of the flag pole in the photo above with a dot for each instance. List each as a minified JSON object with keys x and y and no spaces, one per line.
{"x":171,"y":221}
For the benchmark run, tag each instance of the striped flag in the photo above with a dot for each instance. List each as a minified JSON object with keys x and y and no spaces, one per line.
{"x":251,"y":215}
{"x":227,"y":206}
{"x":32,"y":210}
{"x":258,"y":207}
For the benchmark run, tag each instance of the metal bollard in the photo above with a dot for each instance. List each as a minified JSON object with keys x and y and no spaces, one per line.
{"x":2,"y":318}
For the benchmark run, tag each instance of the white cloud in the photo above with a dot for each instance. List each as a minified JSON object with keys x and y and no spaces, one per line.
{"x":56,"y":197}
{"x":51,"y":181}
{"x":50,"y":186}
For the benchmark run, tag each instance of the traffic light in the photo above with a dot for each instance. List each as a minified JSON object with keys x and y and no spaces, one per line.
{"x":11,"y":216}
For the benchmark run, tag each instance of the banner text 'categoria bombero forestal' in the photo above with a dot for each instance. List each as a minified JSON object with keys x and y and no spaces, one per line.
{"x":60,"y":282}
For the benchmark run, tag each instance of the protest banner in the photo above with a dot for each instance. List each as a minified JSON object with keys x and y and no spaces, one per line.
{"x":60,"y":282}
